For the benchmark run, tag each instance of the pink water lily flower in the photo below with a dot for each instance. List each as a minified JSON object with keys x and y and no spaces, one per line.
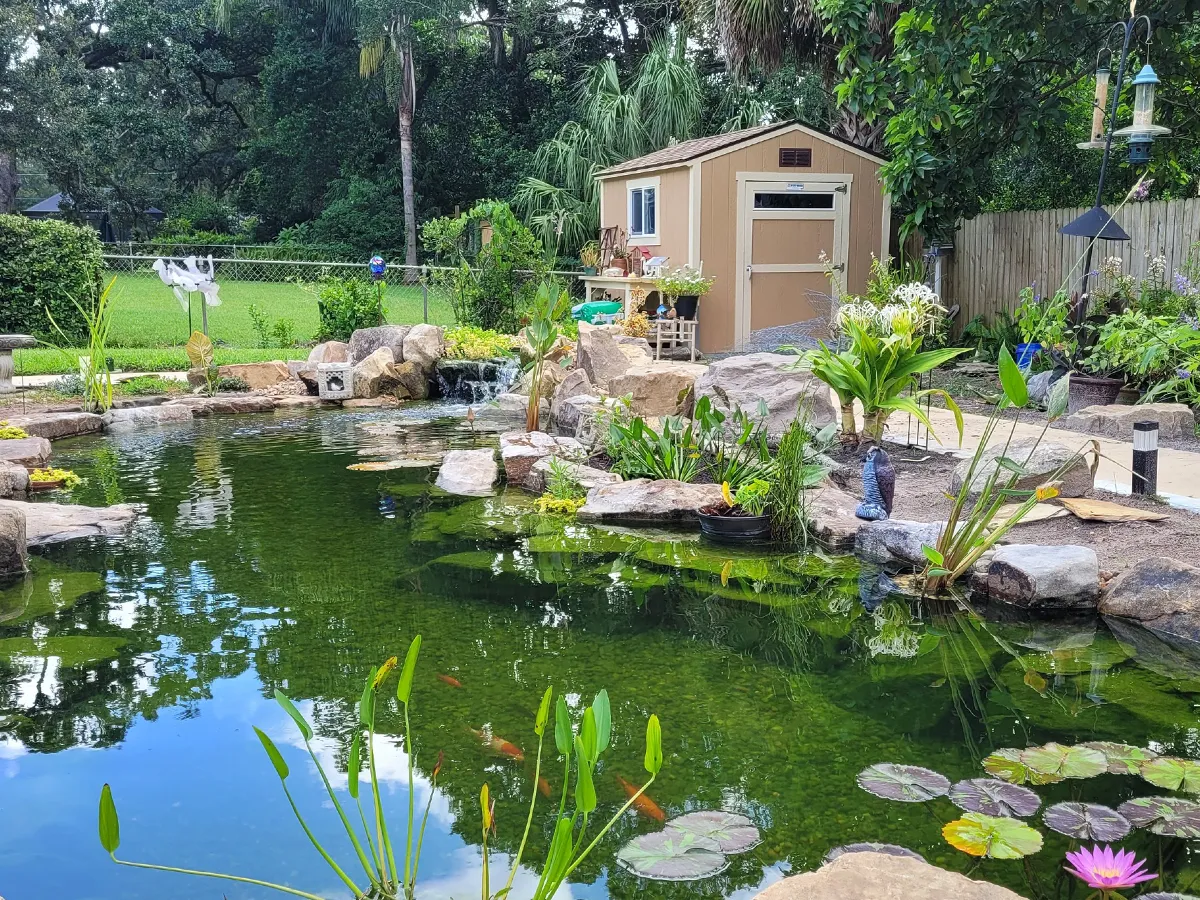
{"x":1100,"y":868}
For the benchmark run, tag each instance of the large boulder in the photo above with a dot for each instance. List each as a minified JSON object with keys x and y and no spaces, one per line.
{"x":519,"y":450}
{"x":896,"y":542}
{"x":1175,"y":420}
{"x":29,"y":452}
{"x":586,"y":476}
{"x":1041,"y":578}
{"x":14,"y":479}
{"x":469,"y":472}
{"x":13,"y":549}
{"x":55,"y":425}
{"x":637,"y":350}
{"x":120,"y":421}
{"x":51,"y":523}
{"x":424,"y":345}
{"x":599,"y":355}
{"x":258,"y":375}
{"x":1160,"y":593}
{"x":658,"y":389}
{"x":553,"y":375}
{"x":337,"y":351}
{"x":1041,"y":461}
{"x":366,"y":341}
{"x":742,"y":381}
{"x":225,"y":404}
{"x":831,"y":519}
{"x":412,"y":382}
{"x":882,"y":876}
{"x":575,"y":412}
{"x":375,"y":374}
{"x":643,"y":500}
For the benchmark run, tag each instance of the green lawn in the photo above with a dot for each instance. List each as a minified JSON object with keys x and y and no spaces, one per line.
{"x":150,"y":327}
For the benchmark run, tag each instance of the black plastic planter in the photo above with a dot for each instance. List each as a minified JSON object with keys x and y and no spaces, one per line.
{"x":685,"y":306}
{"x":735,"y":529}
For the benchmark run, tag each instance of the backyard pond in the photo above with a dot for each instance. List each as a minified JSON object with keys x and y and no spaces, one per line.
{"x":262,"y":562}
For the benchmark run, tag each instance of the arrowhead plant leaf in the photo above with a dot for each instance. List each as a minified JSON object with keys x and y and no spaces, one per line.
{"x":281,"y":767}
{"x":404,"y":688}
{"x":110,"y":826}
{"x":290,"y":708}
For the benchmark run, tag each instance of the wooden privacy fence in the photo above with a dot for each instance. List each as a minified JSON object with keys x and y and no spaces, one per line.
{"x":998,"y":254}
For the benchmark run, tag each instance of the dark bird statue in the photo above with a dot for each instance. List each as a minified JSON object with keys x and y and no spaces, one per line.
{"x":879,"y":486}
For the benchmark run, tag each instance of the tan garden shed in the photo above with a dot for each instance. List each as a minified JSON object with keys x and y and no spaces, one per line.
{"x":758,"y":208}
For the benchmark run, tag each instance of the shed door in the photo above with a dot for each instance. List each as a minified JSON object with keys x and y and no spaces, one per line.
{"x":786,"y":228}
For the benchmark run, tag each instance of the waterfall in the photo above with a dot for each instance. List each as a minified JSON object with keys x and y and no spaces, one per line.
{"x":476,"y":381}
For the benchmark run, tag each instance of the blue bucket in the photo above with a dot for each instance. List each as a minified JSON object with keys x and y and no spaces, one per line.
{"x":1026,"y":353}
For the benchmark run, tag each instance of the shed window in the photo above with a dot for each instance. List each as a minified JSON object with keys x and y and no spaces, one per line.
{"x":792,"y":200}
{"x":643,"y":220}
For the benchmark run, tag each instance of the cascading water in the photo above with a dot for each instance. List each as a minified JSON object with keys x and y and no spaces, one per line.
{"x":476,"y":381}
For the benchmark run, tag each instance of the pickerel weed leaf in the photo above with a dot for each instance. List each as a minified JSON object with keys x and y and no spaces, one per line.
{"x":1011,"y":379}
{"x":1006,"y":765}
{"x":672,"y":856}
{"x":1087,"y":821}
{"x":908,"y":784}
{"x":543,"y":713}
{"x":562,"y":728}
{"x":588,"y":740}
{"x":110,"y":825}
{"x":1173,"y":774}
{"x":1123,"y":759}
{"x":654,"y":758}
{"x":995,"y":798}
{"x":1065,"y":761}
{"x":354,"y":764}
{"x":731,"y":832}
{"x":281,"y":767}
{"x":404,"y":686}
{"x":602,"y":711}
{"x":290,"y":708}
{"x":993,"y":837}
{"x":1169,"y":816}
{"x":366,"y":706}
{"x":888,"y":849}
{"x":585,"y":789}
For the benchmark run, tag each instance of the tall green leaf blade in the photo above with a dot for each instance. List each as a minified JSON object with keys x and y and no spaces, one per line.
{"x":366,"y":706}
{"x":539,"y":725}
{"x":290,"y":708}
{"x":654,"y":758}
{"x":110,"y":825}
{"x":281,"y":767}
{"x":404,"y":687}
{"x":354,"y":764}
{"x":585,"y":789}
{"x":588,"y":737}
{"x":603,"y":714}
{"x":562,"y":728}
{"x":1012,"y":380}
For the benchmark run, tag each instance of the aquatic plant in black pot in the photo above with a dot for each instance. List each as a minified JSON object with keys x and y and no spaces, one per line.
{"x":684,"y":287}
{"x":740,"y":517}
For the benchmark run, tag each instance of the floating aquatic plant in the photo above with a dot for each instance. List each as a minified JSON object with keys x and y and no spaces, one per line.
{"x":1173,"y":774}
{"x":672,"y":856}
{"x":995,"y":837}
{"x":731,"y":832}
{"x":1006,"y":765}
{"x":1169,"y":816}
{"x":1087,"y":821}
{"x":995,"y":798}
{"x":1123,"y":759}
{"x":1100,"y":868}
{"x":908,"y":784}
{"x":1065,"y":762}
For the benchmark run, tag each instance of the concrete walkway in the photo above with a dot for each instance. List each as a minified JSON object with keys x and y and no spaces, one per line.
{"x":1178,"y":470}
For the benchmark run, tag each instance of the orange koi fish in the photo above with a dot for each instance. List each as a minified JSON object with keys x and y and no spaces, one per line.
{"x":544,"y":787}
{"x":500,"y":746}
{"x":642,"y":804}
{"x":450,"y":680}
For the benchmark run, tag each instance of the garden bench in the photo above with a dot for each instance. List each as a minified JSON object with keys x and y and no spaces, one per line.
{"x":9,"y":343}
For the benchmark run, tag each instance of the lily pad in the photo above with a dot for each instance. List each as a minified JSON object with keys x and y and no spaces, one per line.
{"x":992,"y":836}
{"x":731,"y":832}
{"x":1123,"y":759}
{"x":672,"y":856}
{"x":908,"y":784}
{"x":888,"y":849}
{"x":1064,"y":761}
{"x":1173,"y":774}
{"x":1169,"y":816}
{"x":995,"y":798}
{"x":1087,"y":821}
{"x":1161,"y":895}
{"x":382,"y":465}
{"x":1006,"y":765}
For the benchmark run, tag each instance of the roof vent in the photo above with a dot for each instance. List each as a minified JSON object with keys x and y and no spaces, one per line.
{"x":795,"y":157}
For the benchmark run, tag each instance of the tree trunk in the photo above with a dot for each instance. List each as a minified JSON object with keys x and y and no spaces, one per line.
{"x":849,"y":426}
{"x":10,"y":182}
{"x":408,"y":102}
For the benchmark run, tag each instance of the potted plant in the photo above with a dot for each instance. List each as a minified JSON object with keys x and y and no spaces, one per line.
{"x":1096,"y":378}
{"x":589,"y":257}
{"x":1042,"y":322}
{"x":740,"y":517}
{"x":620,"y":258}
{"x":684,"y":287}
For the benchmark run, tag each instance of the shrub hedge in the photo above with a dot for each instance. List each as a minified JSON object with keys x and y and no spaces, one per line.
{"x":44,"y":266}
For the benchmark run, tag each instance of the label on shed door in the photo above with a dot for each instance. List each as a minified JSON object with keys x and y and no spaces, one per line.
{"x":795,"y":186}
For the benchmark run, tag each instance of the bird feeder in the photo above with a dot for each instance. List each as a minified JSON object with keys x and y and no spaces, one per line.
{"x":1099,"y":105}
{"x":1143,"y":131}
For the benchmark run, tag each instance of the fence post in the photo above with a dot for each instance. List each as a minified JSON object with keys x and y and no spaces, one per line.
{"x":425,"y":294}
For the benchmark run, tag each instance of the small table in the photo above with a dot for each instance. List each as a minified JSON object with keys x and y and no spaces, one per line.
{"x":9,"y":343}
{"x":673,"y":332}
{"x":617,"y":284}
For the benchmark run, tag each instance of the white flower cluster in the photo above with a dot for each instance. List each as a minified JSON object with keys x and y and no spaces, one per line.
{"x":1111,"y":267}
{"x":914,"y":311}
{"x":1156,"y":267}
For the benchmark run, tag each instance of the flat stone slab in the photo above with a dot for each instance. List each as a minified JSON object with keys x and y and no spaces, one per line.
{"x":896,"y":542}
{"x":122,"y":421}
{"x":1175,"y":420}
{"x":1160,"y":593}
{"x":300,"y":401}
{"x":29,"y":452}
{"x":471,"y":473}
{"x":17,"y":341}
{"x":879,"y":876}
{"x":643,"y":500}
{"x":587,"y":477}
{"x":831,"y":517}
{"x":1040,"y":577}
{"x":519,"y":450}
{"x":52,"y":523}
{"x":227,"y":404}
{"x":55,"y":425}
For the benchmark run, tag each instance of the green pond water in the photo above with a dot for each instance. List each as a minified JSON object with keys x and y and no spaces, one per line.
{"x":261,"y":562}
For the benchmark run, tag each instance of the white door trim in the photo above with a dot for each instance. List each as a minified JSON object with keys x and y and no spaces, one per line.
{"x":747,"y":183}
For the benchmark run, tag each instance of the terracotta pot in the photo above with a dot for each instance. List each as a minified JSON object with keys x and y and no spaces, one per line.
{"x":622,"y":264}
{"x":45,"y":485}
{"x":1088,"y":390}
